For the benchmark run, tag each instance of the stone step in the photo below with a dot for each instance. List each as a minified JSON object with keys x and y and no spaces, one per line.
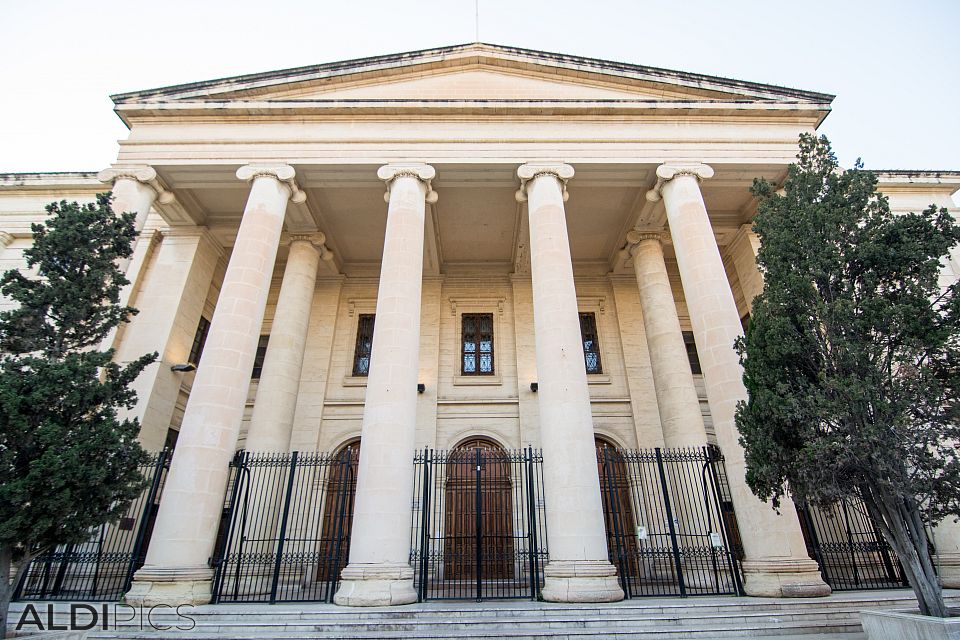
{"x":659,"y":619}
{"x":609,"y":619}
{"x":424,"y":612}
{"x":786,"y":629}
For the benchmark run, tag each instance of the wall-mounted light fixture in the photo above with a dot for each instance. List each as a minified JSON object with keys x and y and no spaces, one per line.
{"x":183,"y":367}
{"x":421,"y":387}
{"x":534,"y":386}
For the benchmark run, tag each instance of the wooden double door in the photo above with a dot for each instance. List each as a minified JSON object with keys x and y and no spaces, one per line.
{"x":478,"y":513}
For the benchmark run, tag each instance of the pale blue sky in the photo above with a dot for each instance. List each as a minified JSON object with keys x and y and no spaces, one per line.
{"x":894,"y":66}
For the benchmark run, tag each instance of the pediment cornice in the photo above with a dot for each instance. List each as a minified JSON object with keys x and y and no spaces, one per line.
{"x":601,"y":80}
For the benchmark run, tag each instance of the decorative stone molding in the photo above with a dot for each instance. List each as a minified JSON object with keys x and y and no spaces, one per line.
{"x":282,"y":172}
{"x":422,"y":172}
{"x":5,"y":239}
{"x":667,"y":172}
{"x":485,"y":303}
{"x":532,"y":170}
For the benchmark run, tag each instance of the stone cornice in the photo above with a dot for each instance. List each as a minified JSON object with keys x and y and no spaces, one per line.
{"x":281,"y":172}
{"x":418,"y":170}
{"x":667,"y":172}
{"x":532,"y":170}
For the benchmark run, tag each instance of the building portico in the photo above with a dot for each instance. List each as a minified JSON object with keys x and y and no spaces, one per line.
{"x":474,"y":248}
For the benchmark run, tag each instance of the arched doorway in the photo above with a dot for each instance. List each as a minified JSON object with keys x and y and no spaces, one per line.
{"x":618,"y":510}
{"x":478,"y":513}
{"x":339,"y":496}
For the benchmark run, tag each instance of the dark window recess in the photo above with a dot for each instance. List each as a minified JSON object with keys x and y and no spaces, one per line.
{"x":171,"y":441}
{"x":199,"y":339}
{"x":261,"y":354}
{"x":477,"y":344}
{"x":591,"y":342}
{"x":691,"y":345}
{"x":361,"y":353}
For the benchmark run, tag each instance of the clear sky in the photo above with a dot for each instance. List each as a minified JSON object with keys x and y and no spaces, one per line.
{"x":894,"y":66}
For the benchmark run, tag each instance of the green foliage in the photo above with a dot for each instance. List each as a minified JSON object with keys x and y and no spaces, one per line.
{"x":67,"y":463}
{"x":851,"y":357}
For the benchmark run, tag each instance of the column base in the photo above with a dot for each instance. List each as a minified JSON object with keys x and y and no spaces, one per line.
{"x":948,"y":569}
{"x":171,"y":586}
{"x":580,"y":581}
{"x":789,"y":578}
{"x":375,"y":585}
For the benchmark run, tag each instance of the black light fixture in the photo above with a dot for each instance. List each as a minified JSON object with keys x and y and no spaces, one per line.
{"x":421,"y":387}
{"x":534,"y":386}
{"x":183,"y":367}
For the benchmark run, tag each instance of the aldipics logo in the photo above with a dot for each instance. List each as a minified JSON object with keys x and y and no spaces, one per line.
{"x":82,"y":616}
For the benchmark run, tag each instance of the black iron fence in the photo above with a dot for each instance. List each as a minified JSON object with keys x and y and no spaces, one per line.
{"x":669,"y":520}
{"x":285,"y":535}
{"x":478,"y":528}
{"x":849,"y":547}
{"x":102,"y":567}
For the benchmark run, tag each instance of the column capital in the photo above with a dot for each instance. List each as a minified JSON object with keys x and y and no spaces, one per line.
{"x":281,"y":172}
{"x":5,"y":239}
{"x":143,"y":174}
{"x":422,"y":172}
{"x":530,"y":171}
{"x":317,"y":239}
{"x":635,"y":237}
{"x":670,"y":170}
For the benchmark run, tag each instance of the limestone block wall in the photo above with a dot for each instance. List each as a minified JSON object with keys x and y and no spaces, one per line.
{"x":454,"y":407}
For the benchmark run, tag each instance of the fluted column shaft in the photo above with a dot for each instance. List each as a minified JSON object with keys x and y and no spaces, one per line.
{"x":184,"y":535}
{"x":272,"y":421}
{"x":677,"y":399}
{"x":578,"y":570}
{"x":379,"y":571}
{"x":776,"y":561}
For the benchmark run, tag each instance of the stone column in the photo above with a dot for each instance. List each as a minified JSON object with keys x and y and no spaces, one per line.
{"x":776,"y":561}
{"x":677,"y":398}
{"x":578,"y":569}
{"x":176,"y":569}
{"x":743,"y":248}
{"x":946,"y":539}
{"x":379,"y":571}
{"x":276,"y":403}
{"x":132,"y":193}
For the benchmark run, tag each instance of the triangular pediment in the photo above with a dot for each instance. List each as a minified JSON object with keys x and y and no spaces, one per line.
{"x":474,"y":72}
{"x":473,"y":83}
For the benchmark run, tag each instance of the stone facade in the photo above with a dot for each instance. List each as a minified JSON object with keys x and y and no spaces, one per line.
{"x":519,"y":184}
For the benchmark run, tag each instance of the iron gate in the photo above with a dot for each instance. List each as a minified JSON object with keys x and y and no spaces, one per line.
{"x":102,"y":567}
{"x":849,"y":547}
{"x":669,"y":519}
{"x":285,"y":533}
{"x":478,"y":528}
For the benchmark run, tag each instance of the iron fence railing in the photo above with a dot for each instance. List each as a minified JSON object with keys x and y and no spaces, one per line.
{"x":670,"y":523}
{"x":100,"y":568}
{"x":478,"y":530}
{"x":285,"y":534}
{"x":848,"y":546}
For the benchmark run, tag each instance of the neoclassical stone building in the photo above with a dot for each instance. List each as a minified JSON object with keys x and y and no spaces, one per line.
{"x":472,"y":244}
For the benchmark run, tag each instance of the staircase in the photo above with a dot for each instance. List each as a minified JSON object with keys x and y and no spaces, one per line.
{"x":834,"y":617}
